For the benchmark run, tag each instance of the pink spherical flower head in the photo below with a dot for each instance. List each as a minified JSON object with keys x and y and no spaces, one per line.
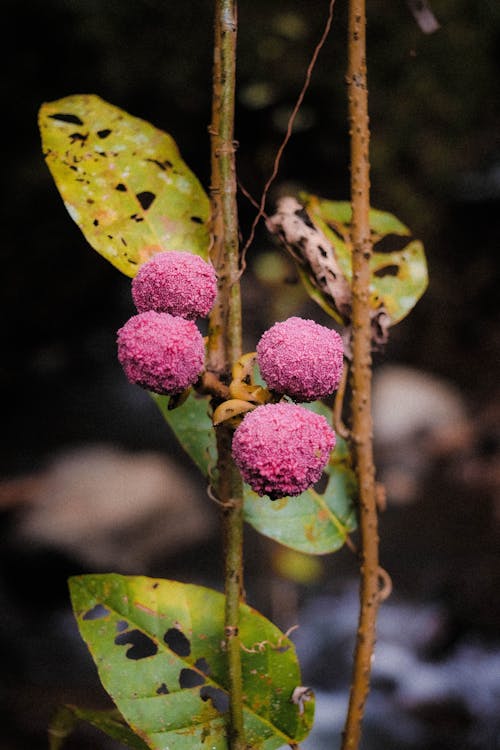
{"x":282,"y":449}
{"x":160,"y":352}
{"x":175,"y":282}
{"x":301,"y":358}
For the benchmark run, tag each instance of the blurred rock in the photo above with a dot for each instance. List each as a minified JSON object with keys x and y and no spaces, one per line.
{"x":111,"y":509}
{"x":477,"y":465}
{"x":418,"y":417}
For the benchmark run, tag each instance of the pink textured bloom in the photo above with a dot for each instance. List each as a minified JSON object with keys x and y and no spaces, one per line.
{"x":282,"y":449}
{"x":178,"y":283}
{"x":301,"y":358}
{"x":161,"y":352}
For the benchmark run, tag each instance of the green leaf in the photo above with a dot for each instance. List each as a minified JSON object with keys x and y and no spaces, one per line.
{"x":311,"y":522}
{"x":192,"y":426}
{"x":399,"y":276}
{"x":123,"y":181}
{"x":110,"y":722}
{"x":159,"y":648}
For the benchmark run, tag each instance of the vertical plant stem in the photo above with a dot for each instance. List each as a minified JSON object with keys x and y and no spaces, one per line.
{"x":224,"y":342}
{"x":361,"y":373}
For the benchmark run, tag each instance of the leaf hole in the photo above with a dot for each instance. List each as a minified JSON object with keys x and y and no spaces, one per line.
{"x":104,"y":133}
{"x":391,"y":270}
{"x":196,"y":219}
{"x":218,"y":698}
{"x":162,"y":690}
{"x":162,"y":164}
{"x":391,"y":243}
{"x":177,"y":642}
{"x":333,"y":229}
{"x":145,"y":199}
{"x":121,"y":625}
{"x":302,"y":214}
{"x":96,"y":613}
{"x":141,"y":646}
{"x":322,"y":483}
{"x":78,"y":137}
{"x":121,"y":187}
{"x":64,"y":117}
{"x":203,"y":665}
{"x":188,"y":678}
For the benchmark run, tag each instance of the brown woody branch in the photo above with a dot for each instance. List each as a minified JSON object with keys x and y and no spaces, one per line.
{"x":224,"y":340}
{"x":361,"y":371}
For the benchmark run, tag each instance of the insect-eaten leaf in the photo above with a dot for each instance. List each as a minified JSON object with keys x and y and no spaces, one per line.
{"x":123,"y":182}
{"x":160,"y":652}
{"x":317,"y":233}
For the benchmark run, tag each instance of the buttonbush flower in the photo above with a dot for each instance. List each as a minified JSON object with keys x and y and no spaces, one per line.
{"x":175,"y":282}
{"x":282,"y":449}
{"x":161,"y":352}
{"x":301,"y":358}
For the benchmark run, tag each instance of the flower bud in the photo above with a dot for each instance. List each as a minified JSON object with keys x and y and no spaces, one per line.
{"x":301,"y":359}
{"x":160,"y":352}
{"x":175,"y":282}
{"x":282,"y":449}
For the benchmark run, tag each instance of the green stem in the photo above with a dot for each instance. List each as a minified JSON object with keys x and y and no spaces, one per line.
{"x":361,"y":372}
{"x":224,"y":341}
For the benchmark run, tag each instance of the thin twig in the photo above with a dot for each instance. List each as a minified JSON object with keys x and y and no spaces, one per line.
{"x":288,"y":135}
{"x":249,"y":197}
{"x":351,"y":546}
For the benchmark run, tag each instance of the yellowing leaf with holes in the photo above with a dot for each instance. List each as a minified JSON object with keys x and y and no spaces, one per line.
{"x":159,"y":649}
{"x":123,"y":182}
{"x":398,"y":265}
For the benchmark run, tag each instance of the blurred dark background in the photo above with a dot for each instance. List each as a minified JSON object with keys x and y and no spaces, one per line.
{"x":76,"y":433}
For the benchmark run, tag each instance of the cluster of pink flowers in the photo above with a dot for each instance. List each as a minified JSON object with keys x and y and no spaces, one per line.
{"x":161,"y":352}
{"x":281,"y":449}
{"x":301,"y":359}
{"x":161,"y":348}
{"x":178,"y":283}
